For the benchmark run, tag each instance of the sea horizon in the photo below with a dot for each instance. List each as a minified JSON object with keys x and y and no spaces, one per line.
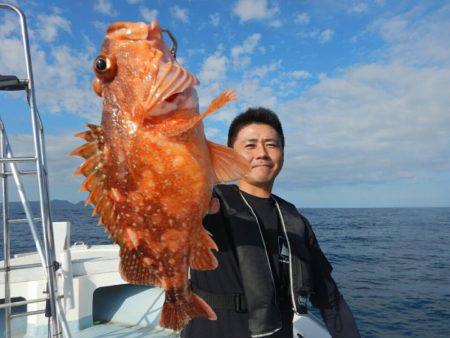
{"x":59,"y":202}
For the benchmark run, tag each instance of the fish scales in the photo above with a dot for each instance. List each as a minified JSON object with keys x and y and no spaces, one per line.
{"x":149,"y":168}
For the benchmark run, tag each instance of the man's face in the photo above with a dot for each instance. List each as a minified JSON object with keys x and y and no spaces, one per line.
{"x":261,"y":146}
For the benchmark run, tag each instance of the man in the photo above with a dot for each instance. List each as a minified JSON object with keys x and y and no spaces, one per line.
{"x":269,"y":258}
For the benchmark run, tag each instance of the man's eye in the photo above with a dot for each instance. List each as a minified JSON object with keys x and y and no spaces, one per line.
{"x":249,"y":146}
{"x":272,"y":145}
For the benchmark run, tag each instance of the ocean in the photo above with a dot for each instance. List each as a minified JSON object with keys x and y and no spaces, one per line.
{"x":391,"y":264}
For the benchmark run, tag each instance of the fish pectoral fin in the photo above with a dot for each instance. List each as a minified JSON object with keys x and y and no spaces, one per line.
{"x":201,"y":257}
{"x":134,"y":270}
{"x":170,"y":79}
{"x":183,"y":126}
{"x":228,"y":165}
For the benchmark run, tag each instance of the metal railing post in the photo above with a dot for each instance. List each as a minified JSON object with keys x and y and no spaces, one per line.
{"x":48,"y":256}
{"x":43,"y":195}
{"x":6,"y":253}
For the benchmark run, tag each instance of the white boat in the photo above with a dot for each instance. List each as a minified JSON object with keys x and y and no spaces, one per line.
{"x":97,"y":302}
{"x":71,"y":291}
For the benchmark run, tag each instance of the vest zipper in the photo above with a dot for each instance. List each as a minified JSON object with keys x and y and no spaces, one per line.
{"x":264,"y":244}
{"x":290,"y":257}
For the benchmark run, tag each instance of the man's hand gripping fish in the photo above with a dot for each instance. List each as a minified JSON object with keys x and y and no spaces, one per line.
{"x":149,"y":168}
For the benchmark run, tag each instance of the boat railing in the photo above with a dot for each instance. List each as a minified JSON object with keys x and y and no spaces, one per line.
{"x":8,"y":169}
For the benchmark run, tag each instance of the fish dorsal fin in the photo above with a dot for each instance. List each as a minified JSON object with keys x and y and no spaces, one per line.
{"x":228,"y":165}
{"x":183,"y":126}
{"x":100,"y":196}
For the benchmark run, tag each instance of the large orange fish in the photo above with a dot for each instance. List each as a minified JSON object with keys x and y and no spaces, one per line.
{"x":149,"y":168}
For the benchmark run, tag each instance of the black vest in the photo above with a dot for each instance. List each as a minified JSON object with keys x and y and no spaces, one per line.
{"x":307,"y":267}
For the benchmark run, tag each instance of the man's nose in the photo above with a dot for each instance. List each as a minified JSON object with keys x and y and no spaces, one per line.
{"x":261,"y":151}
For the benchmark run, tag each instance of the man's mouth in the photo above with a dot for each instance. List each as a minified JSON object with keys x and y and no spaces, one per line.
{"x":262,"y":165}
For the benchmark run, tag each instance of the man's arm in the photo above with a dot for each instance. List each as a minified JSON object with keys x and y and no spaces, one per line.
{"x":326,"y":296}
{"x":338,"y":318}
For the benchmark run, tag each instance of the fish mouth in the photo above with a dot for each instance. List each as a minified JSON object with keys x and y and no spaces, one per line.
{"x":180,"y":99}
{"x":172,"y":98}
{"x":186,"y":99}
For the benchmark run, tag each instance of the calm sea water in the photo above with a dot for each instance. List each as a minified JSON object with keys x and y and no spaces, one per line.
{"x":392,"y":265}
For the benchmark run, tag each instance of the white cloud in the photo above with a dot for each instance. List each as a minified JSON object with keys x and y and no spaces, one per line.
{"x":265,"y":69}
{"x":385,"y":121}
{"x":300,"y":74}
{"x":211,"y":131}
{"x":321,"y":36}
{"x":417,"y":36}
{"x":11,"y":53}
{"x":148,"y":14}
{"x":239,"y":53}
{"x":275,"y":23}
{"x":326,"y":35}
{"x":134,"y":2}
{"x":214,"y":68}
{"x":8,"y":26}
{"x":359,"y":8}
{"x":226,"y":114}
{"x":215,"y":19}
{"x":179,"y":13}
{"x":60,"y":166}
{"x":105,"y":7}
{"x":302,"y":18}
{"x":49,"y":26}
{"x":56,"y":91}
{"x":254,"y":9}
{"x":100,"y":25}
{"x":370,"y":124}
{"x":253,"y":92}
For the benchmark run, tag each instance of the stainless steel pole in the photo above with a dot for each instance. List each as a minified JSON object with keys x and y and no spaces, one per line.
{"x":57,"y":313}
{"x":43,"y":195}
{"x":6,"y":253}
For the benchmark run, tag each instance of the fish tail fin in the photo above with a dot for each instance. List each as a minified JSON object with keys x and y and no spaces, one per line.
{"x":201,"y":257}
{"x":134,"y":270}
{"x":197,"y":307}
{"x":175,"y":313}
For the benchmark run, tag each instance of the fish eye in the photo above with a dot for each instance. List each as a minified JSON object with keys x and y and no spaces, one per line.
{"x":101,"y":65}
{"x":105,"y":67}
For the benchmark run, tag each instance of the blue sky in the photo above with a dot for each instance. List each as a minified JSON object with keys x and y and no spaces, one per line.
{"x":361,"y":87}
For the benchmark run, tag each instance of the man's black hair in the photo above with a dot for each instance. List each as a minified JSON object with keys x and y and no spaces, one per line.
{"x":254,"y":115}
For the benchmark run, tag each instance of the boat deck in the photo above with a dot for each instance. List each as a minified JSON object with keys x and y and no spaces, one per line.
{"x":118,"y":331}
{"x":86,"y":260}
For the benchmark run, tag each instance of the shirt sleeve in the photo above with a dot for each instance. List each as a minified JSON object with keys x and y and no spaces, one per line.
{"x":338,"y":318}
{"x":326,"y":296}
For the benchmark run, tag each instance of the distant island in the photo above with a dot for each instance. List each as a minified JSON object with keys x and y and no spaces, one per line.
{"x":55,"y":204}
